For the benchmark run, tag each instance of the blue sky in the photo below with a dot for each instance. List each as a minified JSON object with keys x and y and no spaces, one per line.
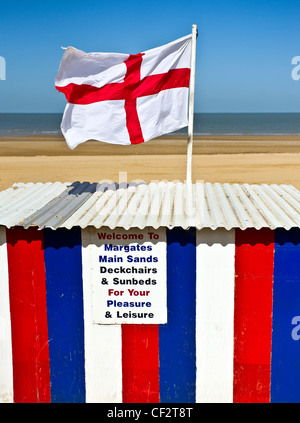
{"x":244,"y":48}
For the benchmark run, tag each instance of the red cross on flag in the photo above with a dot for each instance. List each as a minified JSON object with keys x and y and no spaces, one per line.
{"x":125,"y":99}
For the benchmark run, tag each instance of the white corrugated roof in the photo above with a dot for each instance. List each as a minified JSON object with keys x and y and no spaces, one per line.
{"x":169,"y":204}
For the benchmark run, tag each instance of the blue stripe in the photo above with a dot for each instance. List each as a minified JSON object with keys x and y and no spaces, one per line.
{"x":65,"y":314}
{"x":285,"y":369}
{"x":177,"y":343}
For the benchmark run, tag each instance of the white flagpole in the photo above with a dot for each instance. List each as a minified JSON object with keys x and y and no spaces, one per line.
{"x":191,"y":107}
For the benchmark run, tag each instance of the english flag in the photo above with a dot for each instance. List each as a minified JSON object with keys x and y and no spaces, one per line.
{"x":123,"y":98}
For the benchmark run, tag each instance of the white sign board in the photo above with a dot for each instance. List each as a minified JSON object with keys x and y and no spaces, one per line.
{"x":128,"y":275}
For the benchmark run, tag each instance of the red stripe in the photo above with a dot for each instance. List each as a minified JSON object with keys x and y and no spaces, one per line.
{"x":254,"y":257}
{"x":153,"y":84}
{"x":27,"y":287}
{"x":150,"y":85}
{"x":132,"y":78}
{"x":140,"y":363}
{"x":88,"y":94}
{"x":133,"y":123}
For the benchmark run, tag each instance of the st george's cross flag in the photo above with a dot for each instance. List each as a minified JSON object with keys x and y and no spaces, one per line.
{"x":122,"y":98}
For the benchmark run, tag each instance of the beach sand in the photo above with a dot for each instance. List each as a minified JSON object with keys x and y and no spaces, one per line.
{"x":231,"y":159}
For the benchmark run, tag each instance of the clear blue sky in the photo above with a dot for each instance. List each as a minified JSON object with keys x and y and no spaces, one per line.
{"x":244,"y":48}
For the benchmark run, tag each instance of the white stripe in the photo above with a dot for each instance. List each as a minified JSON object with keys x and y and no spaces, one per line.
{"x":215,"y":315}
{"x":103,"y":344}
{"x":6,"y":371}
{"x":162,"y":101}
{"x":98,"y":69}
{"x":174,"y":55}
{"x":82,"y":122}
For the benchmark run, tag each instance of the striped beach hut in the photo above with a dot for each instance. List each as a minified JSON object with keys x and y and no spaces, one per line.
{"x":162,"y":292}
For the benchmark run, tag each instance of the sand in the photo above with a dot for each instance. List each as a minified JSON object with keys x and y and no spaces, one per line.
{"x":232,"y":159}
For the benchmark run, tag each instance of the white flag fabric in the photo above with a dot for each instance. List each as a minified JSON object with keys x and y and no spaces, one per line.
{"x":125,"y":99}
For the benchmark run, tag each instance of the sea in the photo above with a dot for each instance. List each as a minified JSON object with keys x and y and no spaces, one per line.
{"x":21,"y":124}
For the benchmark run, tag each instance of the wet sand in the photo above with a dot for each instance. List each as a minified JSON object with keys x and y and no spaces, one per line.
{"x":232,"y":159}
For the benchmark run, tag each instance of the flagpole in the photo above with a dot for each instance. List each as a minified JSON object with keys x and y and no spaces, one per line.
{"x":191,"y":107}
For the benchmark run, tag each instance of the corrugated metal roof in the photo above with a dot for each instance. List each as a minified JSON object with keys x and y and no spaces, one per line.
{"x":169,"y":204}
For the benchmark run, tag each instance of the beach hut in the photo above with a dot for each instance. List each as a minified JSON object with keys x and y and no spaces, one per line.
{"x":163,"y":292}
